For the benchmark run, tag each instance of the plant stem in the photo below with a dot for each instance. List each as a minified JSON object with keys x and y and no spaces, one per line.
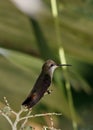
{"x":17,"y":119}
{"x":40,"y":115}
{"x":63,"y":60}
{"x":25,"y":121}
{"x":7,"y":118}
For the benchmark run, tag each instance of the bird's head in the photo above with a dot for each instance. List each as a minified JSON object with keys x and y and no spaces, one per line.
{"x":49,"y":66}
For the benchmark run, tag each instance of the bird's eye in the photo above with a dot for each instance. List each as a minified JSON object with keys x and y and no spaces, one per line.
{"x":51,"y":65}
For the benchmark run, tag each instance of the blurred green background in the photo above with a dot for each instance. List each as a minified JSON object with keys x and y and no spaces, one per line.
{"x":27,"y":41}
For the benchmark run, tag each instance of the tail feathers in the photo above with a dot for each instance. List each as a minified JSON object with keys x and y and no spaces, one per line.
{"x":28,"y":103}
{"x":31,"y":100}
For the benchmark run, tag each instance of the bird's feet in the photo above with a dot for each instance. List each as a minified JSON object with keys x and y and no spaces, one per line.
{"x":49,"y":91}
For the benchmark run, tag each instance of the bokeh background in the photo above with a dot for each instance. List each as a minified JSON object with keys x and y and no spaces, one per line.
{"x":31,"y":35}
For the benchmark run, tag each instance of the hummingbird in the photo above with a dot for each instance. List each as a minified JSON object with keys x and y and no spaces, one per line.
{"x":42,"y":83}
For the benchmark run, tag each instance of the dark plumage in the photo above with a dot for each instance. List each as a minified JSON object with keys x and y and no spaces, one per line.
{"x":42,"y":84}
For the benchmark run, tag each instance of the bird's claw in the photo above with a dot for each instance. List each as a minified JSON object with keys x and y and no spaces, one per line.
{"x":49,"y":91}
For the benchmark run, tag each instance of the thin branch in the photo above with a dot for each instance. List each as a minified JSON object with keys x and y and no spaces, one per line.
{"x":51,"y":128}
{"x":7,"y":118}
{"x":17,"y":118}
{"x":51,"y":121}
{"x":40,"y":115}
{"x":13,"y":112}
{"x":25,"y":121}
{"x":6,"y":102}
{"x":8,"y":105}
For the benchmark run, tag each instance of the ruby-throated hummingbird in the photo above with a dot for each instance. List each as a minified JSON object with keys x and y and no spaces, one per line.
{"x":42,"y":83}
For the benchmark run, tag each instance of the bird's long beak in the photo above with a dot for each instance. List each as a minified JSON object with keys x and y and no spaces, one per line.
{"x":64,"y":65}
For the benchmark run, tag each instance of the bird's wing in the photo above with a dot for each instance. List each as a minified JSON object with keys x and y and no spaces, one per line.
{"x":40,"y":87}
